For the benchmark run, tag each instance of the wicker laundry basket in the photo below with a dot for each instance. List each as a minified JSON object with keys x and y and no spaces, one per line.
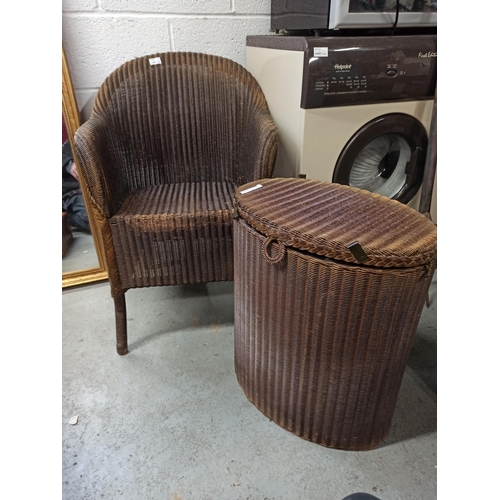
{"x":330,"y":282}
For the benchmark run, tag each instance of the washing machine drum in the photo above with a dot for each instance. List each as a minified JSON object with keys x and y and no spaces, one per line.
{"x":385,"y":156}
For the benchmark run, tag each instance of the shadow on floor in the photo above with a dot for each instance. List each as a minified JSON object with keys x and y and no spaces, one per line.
{"x":415,"y":413}
{"x":214,"y":308}
{"x":423,"y":361}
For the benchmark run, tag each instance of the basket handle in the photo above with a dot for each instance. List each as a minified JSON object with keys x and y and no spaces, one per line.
{"x":267,"y":256}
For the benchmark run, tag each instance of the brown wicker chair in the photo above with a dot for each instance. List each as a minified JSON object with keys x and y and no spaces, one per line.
{"x":162,"y":153}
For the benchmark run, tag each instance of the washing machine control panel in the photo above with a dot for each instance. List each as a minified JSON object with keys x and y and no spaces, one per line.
{"x":350,"y":70}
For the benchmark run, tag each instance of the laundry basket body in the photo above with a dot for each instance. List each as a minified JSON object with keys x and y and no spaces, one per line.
{"x":321,"y":344}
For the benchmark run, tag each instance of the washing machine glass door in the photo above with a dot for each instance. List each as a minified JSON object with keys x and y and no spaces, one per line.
{"x":385,"y":156}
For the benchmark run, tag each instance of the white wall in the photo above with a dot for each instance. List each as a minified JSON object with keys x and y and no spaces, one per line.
{"x":100,"y":35}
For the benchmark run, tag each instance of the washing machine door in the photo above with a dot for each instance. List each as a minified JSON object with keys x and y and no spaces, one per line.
{"x":385,"y":156}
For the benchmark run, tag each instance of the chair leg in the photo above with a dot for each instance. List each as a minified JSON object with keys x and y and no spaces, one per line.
{"x":121,"y":324}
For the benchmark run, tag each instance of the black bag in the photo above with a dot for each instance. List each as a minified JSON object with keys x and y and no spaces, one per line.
{"x":73,"y":204}
{"x":72,"y":197}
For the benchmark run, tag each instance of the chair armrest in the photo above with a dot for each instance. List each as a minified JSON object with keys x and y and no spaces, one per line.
{"x":259,"y":148}
{"x":94,"y":146}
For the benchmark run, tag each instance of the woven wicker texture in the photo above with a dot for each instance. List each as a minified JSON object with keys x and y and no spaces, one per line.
{"x":324,"y":219}
{"x":161,"y":154}
{"x":321,"y":346}
{"x":174,"y":222}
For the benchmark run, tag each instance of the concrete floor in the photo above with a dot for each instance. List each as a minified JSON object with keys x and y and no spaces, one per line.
{"x":169,"y":420}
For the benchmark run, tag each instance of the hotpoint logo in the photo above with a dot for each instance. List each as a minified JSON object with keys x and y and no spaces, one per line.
{"x":342,"y":66}
{"x":427,"y":54}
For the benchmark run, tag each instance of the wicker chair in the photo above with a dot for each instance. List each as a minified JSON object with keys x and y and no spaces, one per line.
{"x":162,"y":153}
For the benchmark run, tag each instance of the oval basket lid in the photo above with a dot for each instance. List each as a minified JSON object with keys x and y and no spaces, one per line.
{"x":339,"y":222}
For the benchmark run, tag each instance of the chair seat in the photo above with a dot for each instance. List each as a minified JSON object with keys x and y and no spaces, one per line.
{"x":175,"y":233}
{"x":173,"y":200}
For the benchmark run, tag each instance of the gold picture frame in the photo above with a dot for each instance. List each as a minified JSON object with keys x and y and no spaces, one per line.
{"x":72,"y":122}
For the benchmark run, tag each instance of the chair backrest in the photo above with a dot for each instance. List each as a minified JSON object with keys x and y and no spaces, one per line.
{"x":181,"y":120}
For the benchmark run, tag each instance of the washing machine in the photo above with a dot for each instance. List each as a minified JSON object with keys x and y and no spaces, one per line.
{"x":354,"y":110}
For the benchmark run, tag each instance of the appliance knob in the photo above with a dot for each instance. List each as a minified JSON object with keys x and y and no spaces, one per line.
{"x":391,"y":72}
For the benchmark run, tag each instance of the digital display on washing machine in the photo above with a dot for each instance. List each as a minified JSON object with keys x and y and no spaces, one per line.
{"x":339,"y":82}
{"x":345,"y":71}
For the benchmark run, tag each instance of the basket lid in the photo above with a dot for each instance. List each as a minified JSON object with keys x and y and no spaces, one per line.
{"x":337,"y":221}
